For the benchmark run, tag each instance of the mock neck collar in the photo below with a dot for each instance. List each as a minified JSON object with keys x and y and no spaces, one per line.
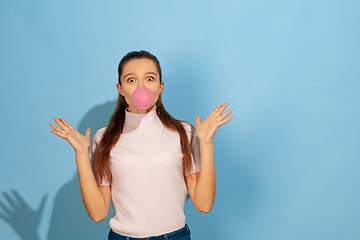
{"x":141,"y":121}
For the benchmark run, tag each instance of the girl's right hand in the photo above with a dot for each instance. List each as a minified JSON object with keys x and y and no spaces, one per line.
{"x":79,"y":142}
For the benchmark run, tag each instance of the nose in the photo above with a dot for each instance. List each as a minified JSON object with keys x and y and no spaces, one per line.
{"x":141,"y":83}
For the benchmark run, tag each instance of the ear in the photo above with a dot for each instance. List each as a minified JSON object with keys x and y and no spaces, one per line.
{"x":161,"y":87}
{"x":119,"y":88}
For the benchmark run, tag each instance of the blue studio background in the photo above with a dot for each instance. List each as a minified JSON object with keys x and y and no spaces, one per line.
{"x":287,"y":164}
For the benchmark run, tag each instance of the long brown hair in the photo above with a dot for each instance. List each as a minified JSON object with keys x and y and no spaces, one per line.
{"x":101,"y":165}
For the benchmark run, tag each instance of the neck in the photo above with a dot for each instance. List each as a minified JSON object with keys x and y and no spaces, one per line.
{"x":141,"y":120}
{"x":133,"y":109}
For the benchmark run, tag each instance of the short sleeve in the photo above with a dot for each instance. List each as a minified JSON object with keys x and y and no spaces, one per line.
{"x":94,"y":143}
{"x":194,"y":147}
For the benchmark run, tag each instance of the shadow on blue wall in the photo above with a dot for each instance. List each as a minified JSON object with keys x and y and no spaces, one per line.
{"x":69,"y":219}
{"x":20,"y":216}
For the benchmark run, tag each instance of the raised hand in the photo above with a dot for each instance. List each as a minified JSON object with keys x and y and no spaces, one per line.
{"x":205,"y":131}
{"x":79,"y":142}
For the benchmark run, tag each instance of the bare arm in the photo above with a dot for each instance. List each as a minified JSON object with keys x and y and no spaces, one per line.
{"x":202,"y":185}
{"x":96,"y":199}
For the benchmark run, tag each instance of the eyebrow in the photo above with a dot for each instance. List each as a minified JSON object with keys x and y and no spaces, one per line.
{"x":151,"y":73}
{"x":135,"y":74}
{"x":128,"y":75}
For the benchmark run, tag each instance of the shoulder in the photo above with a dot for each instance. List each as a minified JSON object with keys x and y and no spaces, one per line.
{"x":187,"y":126}
{"x":98,"y":134}
{"x":189,"y":129}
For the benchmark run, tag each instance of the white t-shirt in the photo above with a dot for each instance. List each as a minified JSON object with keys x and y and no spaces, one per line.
{"x":148,"y":186}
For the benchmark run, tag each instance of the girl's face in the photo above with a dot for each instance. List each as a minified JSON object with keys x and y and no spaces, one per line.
{"x":140,"y":73}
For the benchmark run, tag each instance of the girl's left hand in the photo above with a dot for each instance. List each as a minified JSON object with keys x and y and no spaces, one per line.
{"x":205,"y":131}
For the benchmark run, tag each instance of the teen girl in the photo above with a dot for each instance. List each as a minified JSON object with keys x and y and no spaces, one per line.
{"x":145,"y":159}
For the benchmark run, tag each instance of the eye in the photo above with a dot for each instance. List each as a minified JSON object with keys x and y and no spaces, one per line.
{"x":131,"y":80}
{"x":149,"y":79}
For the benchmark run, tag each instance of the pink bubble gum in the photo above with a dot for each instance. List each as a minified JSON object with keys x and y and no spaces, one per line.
{"x":142,"y":98}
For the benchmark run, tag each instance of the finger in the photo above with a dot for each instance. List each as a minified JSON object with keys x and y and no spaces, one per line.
{"x":87,"y":132}
{"x":215,"y":110}
{"x":226,"y":114}
{"x":221,"y":110}
{"x":60,"y":134}
{"x":66,"y":123}
{"x":198,"y":120}
{"x":55,"y":128}
{"x":60,"y":123}
{"x":225,"y":121}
